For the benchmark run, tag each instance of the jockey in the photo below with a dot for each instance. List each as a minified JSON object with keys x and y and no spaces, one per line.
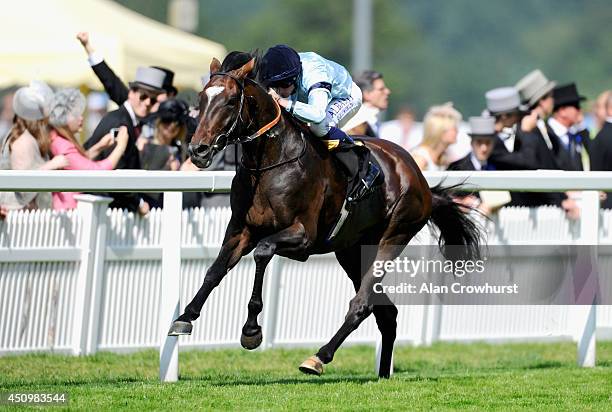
{"x":313,"y":89}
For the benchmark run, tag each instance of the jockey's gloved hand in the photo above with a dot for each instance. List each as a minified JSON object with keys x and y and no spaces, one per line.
{"x":282,"y":102}
{"x":274,"y":95}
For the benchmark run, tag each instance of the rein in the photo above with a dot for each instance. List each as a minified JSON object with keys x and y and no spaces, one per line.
{"x":266,"y":127}
{"x":261,"y":132}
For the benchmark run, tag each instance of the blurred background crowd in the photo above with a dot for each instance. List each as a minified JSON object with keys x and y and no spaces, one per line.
{"x":529,"y":120}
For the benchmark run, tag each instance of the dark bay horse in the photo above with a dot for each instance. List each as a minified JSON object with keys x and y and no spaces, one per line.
{"x":287,"y":195}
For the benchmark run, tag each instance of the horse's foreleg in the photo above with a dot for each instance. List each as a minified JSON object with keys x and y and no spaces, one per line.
{"x":233,"y":248}
{"x":294,"y":238}
{"x":251,"y":331}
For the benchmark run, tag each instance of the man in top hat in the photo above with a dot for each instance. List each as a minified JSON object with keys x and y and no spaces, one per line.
{"x":536,"y":92}
{"x":483,"y":135}
{"x":512,"y":150}
{"x":142,"y":95}
{"x":561,"y":126}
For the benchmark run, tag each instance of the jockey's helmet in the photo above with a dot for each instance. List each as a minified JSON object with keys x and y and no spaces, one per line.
{"x":280,"y":65}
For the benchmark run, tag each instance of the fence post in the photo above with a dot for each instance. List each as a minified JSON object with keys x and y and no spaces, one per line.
{"x":170,"y":285}
{"x":88,"y":292}
{"x":433,"y":311}
{"x":585,"y":315}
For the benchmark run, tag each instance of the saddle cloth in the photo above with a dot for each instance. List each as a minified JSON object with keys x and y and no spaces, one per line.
{"x":362,"y":204}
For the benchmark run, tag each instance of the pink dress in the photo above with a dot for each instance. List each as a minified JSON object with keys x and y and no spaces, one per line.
{"x":60,"y":145}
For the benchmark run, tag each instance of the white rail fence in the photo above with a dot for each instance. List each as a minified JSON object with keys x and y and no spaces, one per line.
{"x":98,"y":279}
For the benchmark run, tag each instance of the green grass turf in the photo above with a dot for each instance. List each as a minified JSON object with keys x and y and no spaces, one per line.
{"x":444,"y":376}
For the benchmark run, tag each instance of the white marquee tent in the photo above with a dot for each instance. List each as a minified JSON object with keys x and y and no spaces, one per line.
{"x":39,"y":42}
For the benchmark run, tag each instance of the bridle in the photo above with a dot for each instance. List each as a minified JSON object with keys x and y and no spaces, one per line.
{"x":246,"y":139}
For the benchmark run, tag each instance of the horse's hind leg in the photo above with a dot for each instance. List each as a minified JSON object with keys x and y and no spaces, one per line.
{"x":386,"y":319}
{"x":386,"y":315}
{"x":233,"y":248}
{"x":292,"y":238}
{"x":390,"y":246}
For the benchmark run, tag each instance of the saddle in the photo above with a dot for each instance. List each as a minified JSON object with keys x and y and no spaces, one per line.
{"x":362,"y":169}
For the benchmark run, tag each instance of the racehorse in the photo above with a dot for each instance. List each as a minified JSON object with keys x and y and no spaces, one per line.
{"x":287,"y":194}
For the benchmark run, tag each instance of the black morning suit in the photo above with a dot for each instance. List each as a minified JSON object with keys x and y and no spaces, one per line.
{"x":130,"y":158}
{"x":566,"y":158}
{"x":545,"y":158}
{"x":522,"y":158}
{"x":113,"y":86}
{"x":465,"y":163}
{"x":601,"y":155}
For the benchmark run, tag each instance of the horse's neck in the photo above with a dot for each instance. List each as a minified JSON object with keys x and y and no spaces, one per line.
{"x":282,"y":142}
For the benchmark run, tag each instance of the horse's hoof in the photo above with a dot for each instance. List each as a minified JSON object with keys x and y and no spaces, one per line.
{"x":312,"y":366}
{"x":251,"y":342}
{"x":180,"y":327}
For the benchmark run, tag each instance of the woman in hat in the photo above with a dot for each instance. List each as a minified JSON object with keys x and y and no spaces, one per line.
{"x":27,"y":146}
{"x":166,"y":151}
{"x":440,"y":128}
{"x":66,"y":117}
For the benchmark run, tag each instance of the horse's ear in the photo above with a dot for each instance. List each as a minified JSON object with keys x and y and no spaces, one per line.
{"x":246,"y":69}
{"x":215,"y":65}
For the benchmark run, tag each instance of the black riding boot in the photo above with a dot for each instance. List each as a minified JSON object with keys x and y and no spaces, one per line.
{"x":344,"y":153}
{"x":352,"y":157}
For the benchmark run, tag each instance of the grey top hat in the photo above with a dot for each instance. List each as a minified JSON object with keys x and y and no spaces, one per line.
{"x":149,"y":78}
{"x":504,"y":100}
{"x":33,"y":102}
{"x":481,"y":126}
{"x":533,"y":87}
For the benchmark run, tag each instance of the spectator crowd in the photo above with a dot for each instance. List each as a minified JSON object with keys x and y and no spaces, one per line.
{"x":535,"y":124}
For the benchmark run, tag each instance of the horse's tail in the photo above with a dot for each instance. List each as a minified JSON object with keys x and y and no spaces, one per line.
{"x":460,"y":236}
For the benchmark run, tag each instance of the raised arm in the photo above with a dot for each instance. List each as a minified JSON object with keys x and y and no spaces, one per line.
{"x":113,"y":85}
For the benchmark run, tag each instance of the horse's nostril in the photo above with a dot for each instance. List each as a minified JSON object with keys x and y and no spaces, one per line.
{"x":198,"y":149}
